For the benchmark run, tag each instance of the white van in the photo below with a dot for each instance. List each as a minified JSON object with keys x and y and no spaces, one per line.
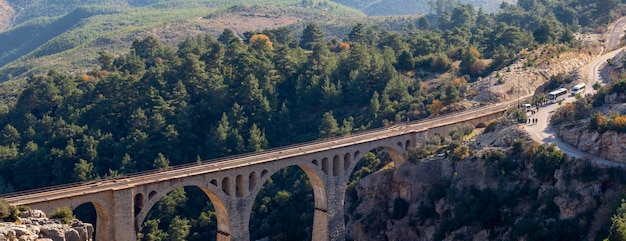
{"x":579,"y":88}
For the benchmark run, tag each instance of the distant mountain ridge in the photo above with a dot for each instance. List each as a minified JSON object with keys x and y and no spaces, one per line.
{"x":65,"y":35}
{"x":36,"y":36}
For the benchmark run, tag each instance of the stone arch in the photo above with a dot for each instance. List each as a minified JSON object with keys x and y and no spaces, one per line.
{"x":315,"y":162}
{"x":240,"y":189}
{"x":264,"y":173}
{"x":138,"y":202}
{"x":395,"y":152}
{"x":221,"y":211}
{"x":226,"y":186}
{"x":325,"y":165}
{"x":347,"y":161}
{"x":408,"y":144}
{"x":253,"y":179}
{"x":400,"y":144}
{"x":336,"y":166}
{"x":152,"y":194}
{"x":103,"y":219}
{"x":320,"y":197}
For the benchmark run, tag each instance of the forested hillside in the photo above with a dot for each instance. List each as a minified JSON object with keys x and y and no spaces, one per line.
{"x":63,"y":34}
{"x":400,"y":7}
{"x":158,"y":105}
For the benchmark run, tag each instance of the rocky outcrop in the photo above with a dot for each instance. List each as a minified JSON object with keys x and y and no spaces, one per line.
{"x":528,"y":73}
{"x":6,"y":15}
{"x":33,"y":225}
{"x":507,"y":200}
{"x":608,"y":145}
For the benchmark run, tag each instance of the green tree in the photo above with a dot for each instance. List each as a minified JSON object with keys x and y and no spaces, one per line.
{"x":178,"y":229}
{"x":10,"y":135}
{"x":106,"y":60}
{"x":357,"y":35}
{"x":374,"y":105}
{"x":147,"y":47}
{"x":617,"y":231}
{"x":161,"y":163}
{"x":256,"y":141}
{"x":423,"y":23}
{"x":347,"y":126}
{"x":150,"y":231}
{"x":311,"y":34}
{"x":227,"y":36}
{"x":329,"y":126}
{"x":84,"y":170}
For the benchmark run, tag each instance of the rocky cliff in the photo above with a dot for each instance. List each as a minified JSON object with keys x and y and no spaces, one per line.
{"x":499,"y":194}
{"x":6,"y":15}
{"x":608,"y":145}
{"x":33,"y":225}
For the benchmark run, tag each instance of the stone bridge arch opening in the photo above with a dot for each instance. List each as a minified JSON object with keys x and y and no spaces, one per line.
{"x":96,"y":214}
{"x":288,"y":201}
{"x":180,"y":206}
{"x":365,"y":164}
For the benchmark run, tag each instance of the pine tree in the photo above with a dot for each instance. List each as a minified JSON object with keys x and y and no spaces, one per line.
{"x":84,"y":170}
{"x":10,"y":135}
{"x":329,"y":126}
{"x":161,"y":163}
{"x":179,"y":229}
{"x":311,"y":34}
{"x":256,"y":141}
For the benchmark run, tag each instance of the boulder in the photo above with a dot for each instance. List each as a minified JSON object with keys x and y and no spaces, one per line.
{"x":33,"y":214}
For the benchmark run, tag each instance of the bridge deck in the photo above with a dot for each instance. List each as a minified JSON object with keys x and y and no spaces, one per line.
{"x":230,"y":162}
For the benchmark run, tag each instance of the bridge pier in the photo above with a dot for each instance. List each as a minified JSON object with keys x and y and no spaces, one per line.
{"x":336,"y":188}
{"x":123,"y":219}
{"x":240,"y":210}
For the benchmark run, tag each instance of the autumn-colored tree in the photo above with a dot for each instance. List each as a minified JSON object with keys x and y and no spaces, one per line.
{"x":435,"y":108}
{"x":460,"y":153}
{"x":261,"y":38}
{"x":619,"y":123}
{"x":337,"y":46}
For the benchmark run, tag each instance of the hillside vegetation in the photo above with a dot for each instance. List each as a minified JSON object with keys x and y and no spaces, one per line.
{"x":64,"y":41}
{"x":400,"y":7}
{"x":157,"y":104}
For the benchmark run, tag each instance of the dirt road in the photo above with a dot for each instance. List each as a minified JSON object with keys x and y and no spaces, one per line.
{"x":541,"y":132}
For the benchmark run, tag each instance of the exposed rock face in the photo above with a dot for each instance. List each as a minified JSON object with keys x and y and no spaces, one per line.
{"x":504,"y":200}
{"x":519,"y":79}
{"x":34,"y":226}
{"x":608,"y":145}
{"x":6,"y":15}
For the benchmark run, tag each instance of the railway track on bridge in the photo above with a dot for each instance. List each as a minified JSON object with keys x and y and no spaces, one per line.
{"x":230,"y":162}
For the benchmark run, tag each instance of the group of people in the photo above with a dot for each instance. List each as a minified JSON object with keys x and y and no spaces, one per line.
{"x":532,"y":121}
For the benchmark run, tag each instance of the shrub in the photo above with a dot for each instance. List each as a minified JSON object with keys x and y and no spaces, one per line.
{"x":518,"y":114}
{"x":598,"y":122}
{"x":416,"y":153}
{"x":8,"y":212}
{"x":439,"y":189}
{"x":65,"y":214}
{"x":400,"y":208}
{"x":460,"y":153}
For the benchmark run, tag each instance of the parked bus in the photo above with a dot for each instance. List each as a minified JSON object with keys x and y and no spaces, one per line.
{"x":579,"y":88}
{"x":557,"y":95}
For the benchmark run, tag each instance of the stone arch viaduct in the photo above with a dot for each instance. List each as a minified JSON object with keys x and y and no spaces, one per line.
{"x":232,"y":183}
